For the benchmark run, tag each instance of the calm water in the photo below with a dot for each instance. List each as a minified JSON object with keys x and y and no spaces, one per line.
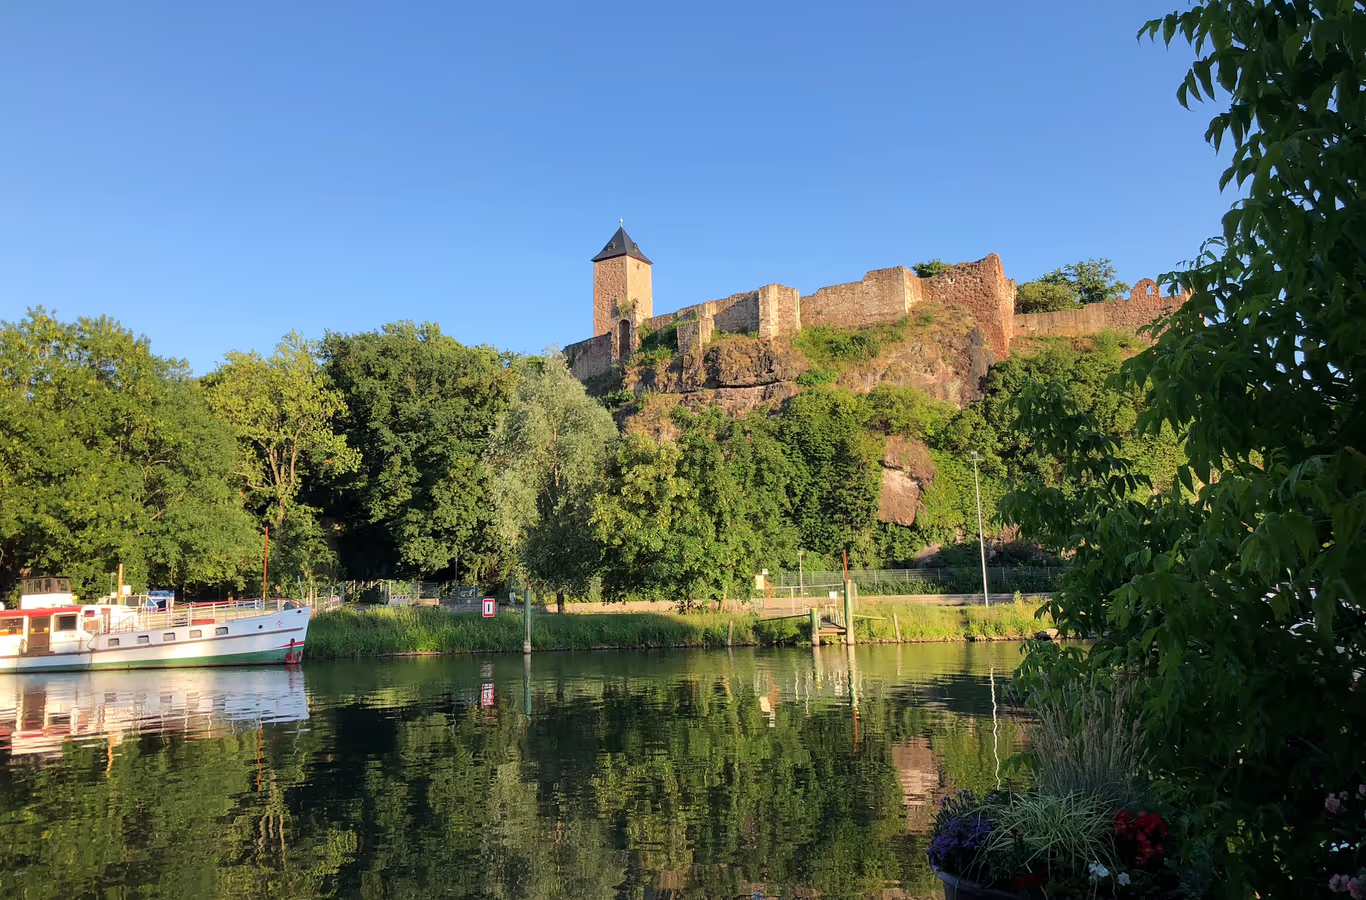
{"x":644,"y":775}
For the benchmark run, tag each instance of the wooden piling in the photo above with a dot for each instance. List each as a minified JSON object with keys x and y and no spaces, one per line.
{"x":526,"y":622}
{"x":730,"y":633}
{"x":896,"y":624}
{"x":848,"y":612}
{"x":815,"y":626}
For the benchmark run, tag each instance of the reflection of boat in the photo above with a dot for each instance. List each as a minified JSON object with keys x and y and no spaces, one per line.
{"x":50,"y":632}
{"x":38,"y":713}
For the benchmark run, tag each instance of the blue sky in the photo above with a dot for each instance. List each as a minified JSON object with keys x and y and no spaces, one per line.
{"x":216,"y":174}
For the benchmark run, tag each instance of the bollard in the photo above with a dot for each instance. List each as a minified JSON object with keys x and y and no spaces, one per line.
{"x":815,"y":626}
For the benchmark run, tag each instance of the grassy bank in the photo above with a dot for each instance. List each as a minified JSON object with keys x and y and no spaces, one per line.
{"x":386,"y":631}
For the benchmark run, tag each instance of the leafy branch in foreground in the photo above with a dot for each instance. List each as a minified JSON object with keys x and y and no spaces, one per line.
{"x":1235,"y":598}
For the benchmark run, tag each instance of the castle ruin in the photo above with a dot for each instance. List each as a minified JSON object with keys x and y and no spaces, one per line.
{"x":623,"y":308}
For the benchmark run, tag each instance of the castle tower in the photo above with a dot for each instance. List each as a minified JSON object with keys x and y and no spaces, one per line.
{"x":622,"y":294}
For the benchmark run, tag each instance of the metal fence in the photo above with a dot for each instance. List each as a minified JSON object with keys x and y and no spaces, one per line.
{"x":922,"y":580}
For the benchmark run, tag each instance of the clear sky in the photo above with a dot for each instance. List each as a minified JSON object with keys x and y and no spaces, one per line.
{"x":216,"y":174}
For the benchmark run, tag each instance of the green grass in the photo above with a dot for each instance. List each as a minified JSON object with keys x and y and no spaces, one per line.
{"x":388,"y":631}
{"x":922,"y":622}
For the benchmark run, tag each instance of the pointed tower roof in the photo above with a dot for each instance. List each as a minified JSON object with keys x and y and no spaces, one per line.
{"x":621,"y":245}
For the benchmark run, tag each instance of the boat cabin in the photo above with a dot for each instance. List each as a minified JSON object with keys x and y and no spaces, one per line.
{"x":46,"y":592}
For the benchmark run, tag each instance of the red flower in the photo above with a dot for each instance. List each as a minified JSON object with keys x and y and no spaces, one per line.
{"x":1140,"y":840}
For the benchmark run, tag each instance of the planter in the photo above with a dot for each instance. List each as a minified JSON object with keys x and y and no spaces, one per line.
{"x":957,"y":888}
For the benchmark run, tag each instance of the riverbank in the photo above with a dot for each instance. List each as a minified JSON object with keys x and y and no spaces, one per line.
{"x":394,"y":631}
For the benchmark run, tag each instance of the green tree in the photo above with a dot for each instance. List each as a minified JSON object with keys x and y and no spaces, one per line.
{"x":1045,"y":296}
{"x":421,"y":406}
{"x":1236,"y":598}
{"x":546,"y":459}
{"x":283,"y":411}
{"x":1090,"y":280}
{"x":836,"y":473}
{"x":694,"y":519}
{"x":109,"y":454}
{"x":930,"y":268}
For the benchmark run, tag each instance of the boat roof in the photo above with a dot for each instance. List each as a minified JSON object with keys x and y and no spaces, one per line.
{"x":48,"y":611}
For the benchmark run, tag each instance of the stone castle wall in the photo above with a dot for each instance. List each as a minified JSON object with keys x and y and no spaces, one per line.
{"x":1146,"y":303}
{"x":884,"y":295}
{"x":983,"y":289}
{"x":980,"y":288}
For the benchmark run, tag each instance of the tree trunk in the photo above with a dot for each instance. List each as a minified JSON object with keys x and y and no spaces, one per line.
{"x":559,"y":602}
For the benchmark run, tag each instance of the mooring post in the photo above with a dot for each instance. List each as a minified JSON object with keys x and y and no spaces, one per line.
{"x":730,"y":633}
{"x":526,"y":621}
{"x":526,"y":684}
{"x":896,"y":624}
{"x":848,"y":613}
{"x":815,"y":626}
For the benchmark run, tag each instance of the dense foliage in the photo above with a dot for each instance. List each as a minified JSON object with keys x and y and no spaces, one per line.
{"x":547,"y":457}
{"x":1069,"y":287}
{"x":402,"y":453}
{"x":1241,"y":588}
{"x":108,"y":455}
{"x":421,"y":406}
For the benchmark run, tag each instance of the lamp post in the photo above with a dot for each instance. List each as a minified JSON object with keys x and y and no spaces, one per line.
{"x":981,"y":539}
{"x":801,"y":584}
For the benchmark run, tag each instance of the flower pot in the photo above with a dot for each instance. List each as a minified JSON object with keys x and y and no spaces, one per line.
{"x":959,"y":888}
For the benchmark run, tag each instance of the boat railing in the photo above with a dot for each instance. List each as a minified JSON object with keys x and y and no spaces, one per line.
{"x":200,"y":614}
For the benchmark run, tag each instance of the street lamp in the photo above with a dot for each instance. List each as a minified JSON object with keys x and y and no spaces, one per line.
{"x":981,"y":539}
{"x":801,"y":583}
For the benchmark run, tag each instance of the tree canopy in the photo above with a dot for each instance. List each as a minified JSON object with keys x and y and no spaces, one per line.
{"x":109,"y":454}
{"x":421,"y":407}
{"x":546,"y":459}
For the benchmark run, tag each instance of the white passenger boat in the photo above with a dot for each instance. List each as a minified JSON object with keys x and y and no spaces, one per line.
{"x":51,"y":632}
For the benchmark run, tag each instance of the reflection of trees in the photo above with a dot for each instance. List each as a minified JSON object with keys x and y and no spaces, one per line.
{"x":701,"y":784}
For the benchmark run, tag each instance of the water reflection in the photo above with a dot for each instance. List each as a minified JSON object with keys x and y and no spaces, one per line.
{"x":646,"y":775}
{"x":39,"y":713}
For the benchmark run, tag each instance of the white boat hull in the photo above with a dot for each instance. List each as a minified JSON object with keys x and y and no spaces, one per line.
{"x":269,"y":638}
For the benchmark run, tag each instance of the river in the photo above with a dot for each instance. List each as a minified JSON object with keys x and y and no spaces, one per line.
{"x":667,"y":774}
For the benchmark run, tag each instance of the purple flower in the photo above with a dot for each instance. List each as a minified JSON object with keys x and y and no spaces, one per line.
{"x":1339,"y":884}
{"x":1332,"y":804}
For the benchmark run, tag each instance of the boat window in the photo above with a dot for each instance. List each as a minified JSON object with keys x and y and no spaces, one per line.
{"x":221,"y":629}
{"x":196,"y":633}
{"x":11,"y":625}
{"x":39,"y":625}
{"x":113,"y":642}
{"x":66,"y":623}
{"x":168,"y":636}
{"x":144,"y":639}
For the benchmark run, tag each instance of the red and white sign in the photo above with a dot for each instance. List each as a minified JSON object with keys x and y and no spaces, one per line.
{"x":486,"y":696}
{"x":488,"y":607}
